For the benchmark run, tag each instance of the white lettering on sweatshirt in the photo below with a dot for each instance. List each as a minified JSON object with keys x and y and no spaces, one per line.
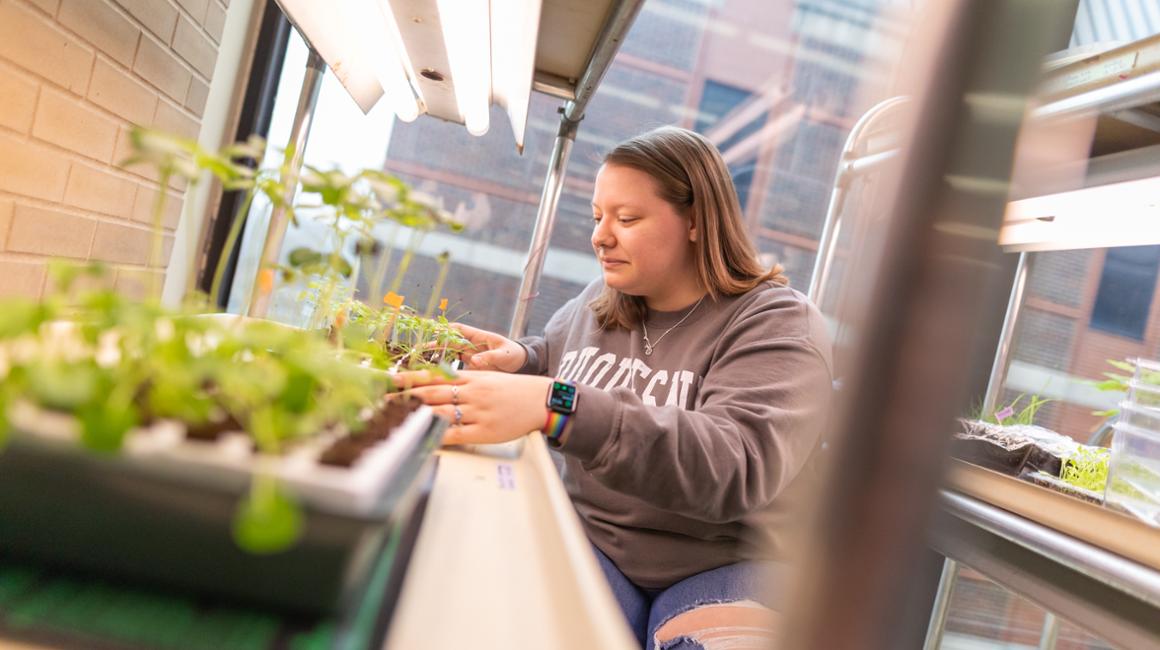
{"x":585,"y":367}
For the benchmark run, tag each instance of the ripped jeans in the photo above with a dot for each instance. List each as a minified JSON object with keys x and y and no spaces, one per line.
{"x":733,"y":606}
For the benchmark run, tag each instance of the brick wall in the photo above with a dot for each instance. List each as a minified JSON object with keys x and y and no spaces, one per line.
{"x":75,"y":75}
{"x":1061,"y":276}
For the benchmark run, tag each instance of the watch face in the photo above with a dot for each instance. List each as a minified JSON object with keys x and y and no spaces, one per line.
{"x":562,"y":397}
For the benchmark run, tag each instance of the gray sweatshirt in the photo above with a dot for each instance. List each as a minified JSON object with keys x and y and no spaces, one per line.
{"x":689,"y":459}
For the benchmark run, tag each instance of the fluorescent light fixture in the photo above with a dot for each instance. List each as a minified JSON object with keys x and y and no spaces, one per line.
{"x":396,"y":72}
{"x":467,"y":36}
{"x":326,"y":30}
{"x":374,"y":37}
{"x":361,"y":47}
{"x":1118,"y":214}
{"x":515,"y":25}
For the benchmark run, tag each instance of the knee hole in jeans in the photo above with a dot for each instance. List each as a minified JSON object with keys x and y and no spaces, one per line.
{"x":737,"y":625}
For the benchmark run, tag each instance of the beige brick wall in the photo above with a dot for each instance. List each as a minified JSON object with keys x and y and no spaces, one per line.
{"x":75,"y":75}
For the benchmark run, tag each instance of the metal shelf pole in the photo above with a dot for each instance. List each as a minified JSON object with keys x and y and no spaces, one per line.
{"x":296,"y":147}
{"x":852,"y":163}
{"x":1109,"y":595}
{"x":1007,"y":335}
{"x":942,"y":603}
{"x":545,"y":222}
{"x":607,"y":44}
{"x":1123,"y":95}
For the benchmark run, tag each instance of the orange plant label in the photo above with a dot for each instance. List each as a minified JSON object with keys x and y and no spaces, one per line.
{"x":393,"y":299}
{"x":266,"y":280}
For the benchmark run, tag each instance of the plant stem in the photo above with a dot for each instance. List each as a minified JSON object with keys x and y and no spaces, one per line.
{"x":322,"y":309}
{"x":219,"y":271}
{"x":158,"y":240}
{"x":416,"y":239}
{"x":380,"y":273}
{"x":437,"y":288}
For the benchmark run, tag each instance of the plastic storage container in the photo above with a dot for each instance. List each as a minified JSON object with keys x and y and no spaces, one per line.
{"x":1147,"y":371}
{"x":1146,"y":418}
{"x":1143,"y":394}
{"x":1134,"y":468}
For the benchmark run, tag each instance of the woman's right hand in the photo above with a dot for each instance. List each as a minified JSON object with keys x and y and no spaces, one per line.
{"x":490,"y":351}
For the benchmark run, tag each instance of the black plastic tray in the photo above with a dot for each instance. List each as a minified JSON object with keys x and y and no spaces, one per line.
{"x":114,"y":517}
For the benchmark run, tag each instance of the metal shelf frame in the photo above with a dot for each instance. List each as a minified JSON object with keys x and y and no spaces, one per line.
{"x":1113,"y":597}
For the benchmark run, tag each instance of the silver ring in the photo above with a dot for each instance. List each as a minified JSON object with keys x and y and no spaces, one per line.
{"x":454,"y":394}
{"x":458,"y":418}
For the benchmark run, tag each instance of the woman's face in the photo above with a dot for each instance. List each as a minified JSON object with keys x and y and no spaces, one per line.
{"x":644,"y":245}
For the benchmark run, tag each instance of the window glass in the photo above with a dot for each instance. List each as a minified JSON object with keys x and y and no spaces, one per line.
{"x":775,"y":84}
{"x":1124,"y":295}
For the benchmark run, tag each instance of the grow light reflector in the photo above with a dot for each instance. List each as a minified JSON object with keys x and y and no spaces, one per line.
{"x":1117,"y":214}
{"x":514,"y":28}
{"x":356,"y":44}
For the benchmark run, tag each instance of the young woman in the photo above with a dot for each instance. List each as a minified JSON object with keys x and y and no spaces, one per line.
{"x":687,"y":391}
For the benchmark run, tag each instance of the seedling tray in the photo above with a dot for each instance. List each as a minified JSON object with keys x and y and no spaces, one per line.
{"x":1096,"y":525}
{"x":162,"y":510}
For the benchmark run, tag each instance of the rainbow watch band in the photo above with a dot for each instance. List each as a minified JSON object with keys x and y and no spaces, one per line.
{"x":555,"y":426}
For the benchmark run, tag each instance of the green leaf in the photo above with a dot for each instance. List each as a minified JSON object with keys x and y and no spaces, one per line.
{"x":63,"y":387}
{"x":303,"y":256}
{"x":299,"y":391}
{"x":444,"y":370}
{"x":5,"y":427}
{"x":267,"y":521}
{"x":1087,"y":468}
{"x":63,"y":273}
{"x":19,"y":317}
{"x":103,"y":426}
{"x":1126,"y":366}
{"x":1110,"y":385}
{"x":340,"y":265}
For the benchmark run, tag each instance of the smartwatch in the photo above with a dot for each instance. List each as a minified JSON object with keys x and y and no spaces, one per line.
{"x":562,"y":400}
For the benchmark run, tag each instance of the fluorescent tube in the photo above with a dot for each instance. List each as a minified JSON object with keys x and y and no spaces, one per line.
{"x":515,"y":25}
{"x":467,"y":37}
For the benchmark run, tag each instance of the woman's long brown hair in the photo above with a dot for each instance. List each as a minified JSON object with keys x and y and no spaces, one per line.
{"x":692,"y":177}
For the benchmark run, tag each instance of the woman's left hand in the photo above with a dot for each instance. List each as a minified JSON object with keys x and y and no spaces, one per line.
{"x":493,"y":406}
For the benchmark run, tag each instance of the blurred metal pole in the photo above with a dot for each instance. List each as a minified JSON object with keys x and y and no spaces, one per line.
{"x":929,"y":274}
{"x":1050,"y":633}
{"x":942,"y":603}
{"x":296,"y":147}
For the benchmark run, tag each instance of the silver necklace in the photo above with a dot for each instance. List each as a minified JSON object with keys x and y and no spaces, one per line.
{"x":649,"y":346}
